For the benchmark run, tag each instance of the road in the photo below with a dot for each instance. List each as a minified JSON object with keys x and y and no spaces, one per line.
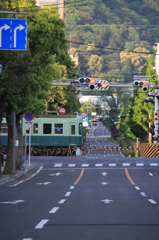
{"x":89,"y":197}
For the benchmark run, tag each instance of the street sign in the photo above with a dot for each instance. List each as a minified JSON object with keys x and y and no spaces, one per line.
{"x":28,"y":124}
{"x":84,"y":114}
{"x":141,"y":77}
{"x":13,"y":34}
{"x":28,"y":117}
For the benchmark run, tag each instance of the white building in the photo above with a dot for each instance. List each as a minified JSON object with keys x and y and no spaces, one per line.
{"x":60,"y":6}
{"x":157,"y":60}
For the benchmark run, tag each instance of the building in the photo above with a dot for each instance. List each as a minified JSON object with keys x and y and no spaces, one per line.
{"x":157,"y":60}
{"x":60,"y":6}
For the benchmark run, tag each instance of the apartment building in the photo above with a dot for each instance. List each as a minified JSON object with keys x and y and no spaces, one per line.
{"x":60,"y":6}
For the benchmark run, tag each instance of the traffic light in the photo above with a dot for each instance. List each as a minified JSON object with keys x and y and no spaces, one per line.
{"x":87,"y":80}
{"x":116,"y":122}
{"x":151,"y":130}
{"x":144,"y":84}
{"x":102,"y":85}
{"x":118,"y":115}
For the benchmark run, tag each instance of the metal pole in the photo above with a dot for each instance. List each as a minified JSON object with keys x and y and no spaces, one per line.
{"x":13,"y":157}
{"x":29,"y":144}
{"x":5,"y":12}
{"x":22,"y":141}
{"x":156,"y":121}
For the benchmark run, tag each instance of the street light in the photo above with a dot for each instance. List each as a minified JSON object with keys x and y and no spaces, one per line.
{"x":1,"y":67}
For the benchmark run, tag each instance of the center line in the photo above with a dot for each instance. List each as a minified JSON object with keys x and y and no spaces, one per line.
{"x":67,"y":194}
{"x":54,"y":209}
{"x":41,"y":223}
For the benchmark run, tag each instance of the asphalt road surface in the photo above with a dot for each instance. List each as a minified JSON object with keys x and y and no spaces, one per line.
{"x":90,"y":197}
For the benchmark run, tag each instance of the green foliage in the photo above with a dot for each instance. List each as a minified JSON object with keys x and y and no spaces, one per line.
{"x":113,"y":26}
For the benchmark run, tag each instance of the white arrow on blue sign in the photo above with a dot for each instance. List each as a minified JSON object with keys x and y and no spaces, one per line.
{"x":13,"y":34}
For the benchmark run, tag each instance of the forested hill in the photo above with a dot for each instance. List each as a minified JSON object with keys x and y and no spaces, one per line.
{"x":112,"y":38}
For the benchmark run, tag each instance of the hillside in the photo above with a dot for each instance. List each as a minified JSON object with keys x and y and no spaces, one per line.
{"x":112,"y":38}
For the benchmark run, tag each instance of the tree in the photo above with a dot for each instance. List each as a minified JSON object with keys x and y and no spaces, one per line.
{"x":29,"y":75}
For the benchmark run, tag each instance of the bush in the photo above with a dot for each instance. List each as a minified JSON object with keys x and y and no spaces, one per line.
{"x":121,"y":142}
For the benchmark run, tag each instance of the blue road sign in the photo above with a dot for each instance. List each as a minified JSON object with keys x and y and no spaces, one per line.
{"x":13,"y":34}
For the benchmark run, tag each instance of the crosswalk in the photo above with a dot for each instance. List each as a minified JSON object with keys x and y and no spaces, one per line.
{"x":97,"y":165}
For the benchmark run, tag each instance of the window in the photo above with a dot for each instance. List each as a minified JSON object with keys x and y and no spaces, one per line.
{"x":4,"y":128}
{"x":58,"y":128}
{"x":73,"y":129}
{"x":80,"y":128}
{"x":47,"y":128}
{"x":35,"y":128}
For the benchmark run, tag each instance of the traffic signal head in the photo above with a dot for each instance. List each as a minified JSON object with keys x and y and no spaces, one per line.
{"x":91,"y":87}
{"x":151,"y":130}
{"x":102,"y":85}
{"x":87,"y":80}
{"x":143,"y":84}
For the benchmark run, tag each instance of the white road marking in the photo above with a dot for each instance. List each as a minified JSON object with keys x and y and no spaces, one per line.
{"x":153,"y":164}
{"x":54,"y":209}
{"x":104,"y":173}
{"x":126,"y":164}
{"x":112,"y":164}
{"x":58,"y":165}
{"x":104,"y":183}
{"x":45,"y":183}
{"x":71,"y":165}
{"x":67,"y":194}
{"x":85,"y":165}
{"x":13,"y":202}
{"x":151,"y":174}
{"x":27,"y":239}
{"x":41,"y":224}
{"x":137,"y":188}
{"x":62,"y":201}
{"x":152,"y":201}
{"x":106,"y":200}
{"x":143,"y":194}
{"x":139,"y":164}
{"x":98,"y":165}
{"x":27,"y":178}
{"x":72,"y":187}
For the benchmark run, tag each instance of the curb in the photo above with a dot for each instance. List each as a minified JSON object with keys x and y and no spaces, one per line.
{"x":10,"y":178}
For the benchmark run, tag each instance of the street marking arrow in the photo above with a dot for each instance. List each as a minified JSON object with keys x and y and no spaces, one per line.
{"x":5,"y":27}
{"x":56,"y":174}
{"x":106,"y":200}
{"x":104,"y":183}
{"x":13,"y":202}
{"x":20,"y":27}
{"x":104,"y":173}
{"x":45,"y":183}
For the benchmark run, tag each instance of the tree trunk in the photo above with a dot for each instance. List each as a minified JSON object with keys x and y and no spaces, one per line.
{"x":9,"y":162}
{"x":20,"y":137}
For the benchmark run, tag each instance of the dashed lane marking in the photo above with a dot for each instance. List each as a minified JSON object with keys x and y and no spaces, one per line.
{"x":54,"y":209}
{"x":41,"y":224}
{"x":152,"y":201}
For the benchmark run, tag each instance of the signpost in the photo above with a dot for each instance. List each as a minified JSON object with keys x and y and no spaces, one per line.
{"x":28,"y":117}
{"x":13,"y":34}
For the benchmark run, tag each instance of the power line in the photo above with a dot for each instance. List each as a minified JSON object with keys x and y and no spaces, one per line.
{"x":70,"y":5}
{"x":109,"y":48}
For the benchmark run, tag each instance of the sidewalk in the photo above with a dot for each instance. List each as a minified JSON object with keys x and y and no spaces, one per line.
{"x":7,"y":178}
